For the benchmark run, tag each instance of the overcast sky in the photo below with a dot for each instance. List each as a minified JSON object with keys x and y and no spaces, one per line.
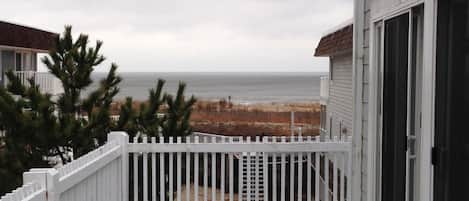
{"x":193,"y":35}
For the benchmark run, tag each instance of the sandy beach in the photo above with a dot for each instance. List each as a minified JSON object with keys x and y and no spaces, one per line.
{"x":234,"y":119}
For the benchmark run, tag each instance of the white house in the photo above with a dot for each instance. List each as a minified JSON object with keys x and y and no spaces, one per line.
{"x":336,"y":89}
{"x":411,"y":92}
{"x":19,"y":47}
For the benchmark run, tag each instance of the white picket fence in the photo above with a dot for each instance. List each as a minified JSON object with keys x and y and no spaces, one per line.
{"x":198,"y":169}
{"x":28,"y":192}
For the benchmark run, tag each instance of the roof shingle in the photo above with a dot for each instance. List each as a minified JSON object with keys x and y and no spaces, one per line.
{"x":25,"y":37}
{"x":336,"y":42}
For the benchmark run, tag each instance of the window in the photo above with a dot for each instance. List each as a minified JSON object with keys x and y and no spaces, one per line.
{"x":25,"y":61}
{"x":18,"y":61}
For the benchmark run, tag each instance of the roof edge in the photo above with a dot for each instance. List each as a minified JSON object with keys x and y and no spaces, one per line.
{"x":27,"y":26}
{"x":336,"y":42}
{"x":338,"y":27}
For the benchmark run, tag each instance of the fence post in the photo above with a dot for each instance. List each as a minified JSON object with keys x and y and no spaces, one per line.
{"x":123,"y":139}
{"x":47,"y":178}
{"x":38,"y":176}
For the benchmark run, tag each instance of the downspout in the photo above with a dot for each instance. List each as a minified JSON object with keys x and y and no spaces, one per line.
{"x":358,"y":56}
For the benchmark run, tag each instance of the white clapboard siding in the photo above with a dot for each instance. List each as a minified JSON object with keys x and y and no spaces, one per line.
{"x":340,"y":101}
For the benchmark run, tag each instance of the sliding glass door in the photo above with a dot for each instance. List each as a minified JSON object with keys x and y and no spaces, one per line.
{"x":395,"y":108}
{"x":400,"y":80}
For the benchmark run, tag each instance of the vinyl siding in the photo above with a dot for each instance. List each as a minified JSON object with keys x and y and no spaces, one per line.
{"x":340,"y":104}
{"x":380,"y":7}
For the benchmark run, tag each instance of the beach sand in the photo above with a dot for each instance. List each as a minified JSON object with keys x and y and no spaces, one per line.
{"x":232,"y":119}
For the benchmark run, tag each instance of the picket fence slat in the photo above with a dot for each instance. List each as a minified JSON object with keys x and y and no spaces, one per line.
{"x":274,"y":177}
{"x":326,"y":177}
{"x":308,"y":177}
{"x":240,"y":172}
{"x":334,"y":178}
{"x":170,"y":172}
{"x":266,"y":172}
{"x":231,"y":174}
{"x":283,"y":170}
{"x":145,"y":173}
{"x":188,"y":173}
{"x":206,"y":176}
{"x":135,"y":162}
{"x":196,"y":172}
{"x":342,"y":178}
{"x":178,"y":172}
{"x":222,"y":177}
{"x":292,"y":176}
{"x":153,"y":173}
{"x":300,"y":176}
{"x":214,"y":173}
{"x":162,"y":177}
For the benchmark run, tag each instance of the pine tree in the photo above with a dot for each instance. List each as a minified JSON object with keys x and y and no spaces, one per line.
{"x":39,"y":127}
{"x":72,"y":62}
{"x":176,"y":121}
{"x":148,"y":119}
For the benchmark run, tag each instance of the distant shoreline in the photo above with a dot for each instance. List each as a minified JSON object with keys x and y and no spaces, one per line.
{"x":244,"y":88}
{"x":225,"y":118}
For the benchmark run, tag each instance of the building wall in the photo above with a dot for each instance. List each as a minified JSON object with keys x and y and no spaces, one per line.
{"x":381,"y":7}
{"x":340,"y":103}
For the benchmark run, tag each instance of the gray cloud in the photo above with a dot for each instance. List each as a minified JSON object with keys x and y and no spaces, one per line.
{"x":190,"y":35}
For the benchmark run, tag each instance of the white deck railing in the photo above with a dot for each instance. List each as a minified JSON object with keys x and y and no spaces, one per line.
{"x":199,"y":169}
{"x":46,"y":81}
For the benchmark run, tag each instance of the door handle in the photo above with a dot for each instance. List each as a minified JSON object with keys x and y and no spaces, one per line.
{"x":435,"y":155}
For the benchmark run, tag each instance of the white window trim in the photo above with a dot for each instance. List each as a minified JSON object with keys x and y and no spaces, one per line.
{"x":375,"y":101}
{"x":428,"y":99}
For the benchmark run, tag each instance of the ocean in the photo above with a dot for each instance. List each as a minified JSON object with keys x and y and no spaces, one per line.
{"x":243,"y":88}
